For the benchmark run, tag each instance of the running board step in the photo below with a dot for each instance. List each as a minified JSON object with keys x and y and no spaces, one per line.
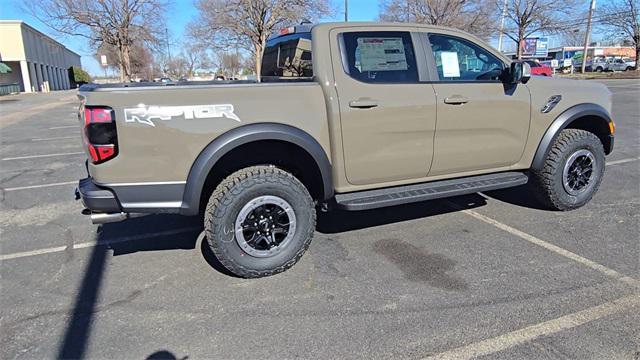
{"x":372,"y":199}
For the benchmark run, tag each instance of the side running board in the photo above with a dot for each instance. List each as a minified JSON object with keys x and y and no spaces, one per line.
{"x":372,"y":199}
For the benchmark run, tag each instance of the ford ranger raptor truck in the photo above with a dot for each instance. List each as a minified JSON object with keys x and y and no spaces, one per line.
{"x":354,"y":116}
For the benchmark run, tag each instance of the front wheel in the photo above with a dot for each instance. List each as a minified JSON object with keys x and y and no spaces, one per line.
{"x":259,"y":221}
{"x":572,"y":171}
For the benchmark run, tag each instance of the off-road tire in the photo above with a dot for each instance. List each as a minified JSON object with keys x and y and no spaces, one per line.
{"x":547,"y":183}
{"x":228,"y":199}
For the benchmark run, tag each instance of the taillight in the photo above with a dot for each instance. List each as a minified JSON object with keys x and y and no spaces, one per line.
{"x":99,"y":133}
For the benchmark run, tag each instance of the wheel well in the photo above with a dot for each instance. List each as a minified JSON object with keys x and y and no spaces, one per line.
{"x":595,"y":125}
{"x":284,"y":155}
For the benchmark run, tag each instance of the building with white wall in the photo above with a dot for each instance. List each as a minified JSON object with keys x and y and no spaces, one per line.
{"x":37,"y":61}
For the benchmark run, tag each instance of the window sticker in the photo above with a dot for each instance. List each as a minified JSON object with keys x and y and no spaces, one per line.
{"x":382,"y":54}
{"x":450,"y":65}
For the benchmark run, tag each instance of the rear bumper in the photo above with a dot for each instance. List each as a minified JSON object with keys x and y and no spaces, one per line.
{"x":97,"y":199}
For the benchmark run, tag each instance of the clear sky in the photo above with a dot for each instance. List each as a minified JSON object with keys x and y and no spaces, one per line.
{"x":180,"y":13}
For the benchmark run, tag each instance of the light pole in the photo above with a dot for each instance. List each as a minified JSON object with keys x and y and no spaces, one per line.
{"x":504,"y":14}
{"x":587,"y":36}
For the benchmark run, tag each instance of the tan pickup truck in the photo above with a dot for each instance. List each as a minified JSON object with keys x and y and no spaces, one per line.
{"x":348,"y":115}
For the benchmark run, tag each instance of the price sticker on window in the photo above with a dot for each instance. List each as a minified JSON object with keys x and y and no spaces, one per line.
{"x":450,"y":64}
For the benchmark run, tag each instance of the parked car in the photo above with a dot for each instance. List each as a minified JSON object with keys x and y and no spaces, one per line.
{"x":610,"y":64}
{"x":631,"y":64}
{"x":384,"y":115}
{"x":538,"y":68}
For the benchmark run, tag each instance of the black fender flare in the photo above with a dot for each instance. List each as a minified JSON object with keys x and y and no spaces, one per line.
{"x":561,"y":122}
{"x":233,"y":138}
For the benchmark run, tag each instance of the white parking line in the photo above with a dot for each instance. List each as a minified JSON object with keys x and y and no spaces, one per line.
{"x":622,"y":161}
{"x":518,"y":337}
{"x":553,"y":248}
{"x":56,"y":138}
{"x":40,"y":186}
{"x":64,"y":127}
{"x":41,"y":156}
{"x":89,"y":244}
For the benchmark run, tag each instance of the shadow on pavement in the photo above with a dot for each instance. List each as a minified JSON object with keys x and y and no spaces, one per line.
{"x":339,"y":221}
{"x":78,"y":331}
{"x":519,"y":196}
{"x":164,"y":355}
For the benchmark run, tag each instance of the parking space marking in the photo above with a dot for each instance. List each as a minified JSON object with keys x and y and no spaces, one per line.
{"x":521,"y":336}
{"x":553,"y":248}
{"x":88,"y":244}
{"x":622,"y":161}
{"x":40,"y":186}
{"x":56,"y":138}
{"x":41,"y":156}
{"x":63,"y":127}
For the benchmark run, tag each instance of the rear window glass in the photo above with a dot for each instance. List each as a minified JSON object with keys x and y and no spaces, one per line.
{"x":288,"y":56}
{"x":380,"y":57}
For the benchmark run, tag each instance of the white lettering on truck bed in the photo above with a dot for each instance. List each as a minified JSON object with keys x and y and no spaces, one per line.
{"x":147,"y":114}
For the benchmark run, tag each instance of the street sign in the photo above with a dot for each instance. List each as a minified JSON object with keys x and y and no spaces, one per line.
{"x":542,"y":47}
{"x":554,"y":63}
{"x":103,"y":60}
{"x":567,"y":62}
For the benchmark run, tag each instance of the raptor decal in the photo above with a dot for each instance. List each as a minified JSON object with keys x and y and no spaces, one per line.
{"x":144,"y":114}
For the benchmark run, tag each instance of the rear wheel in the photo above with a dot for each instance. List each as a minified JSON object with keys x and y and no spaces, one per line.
{"x":599,"y":69}
{"x":572,"y":171}
{"x":259,"y":221}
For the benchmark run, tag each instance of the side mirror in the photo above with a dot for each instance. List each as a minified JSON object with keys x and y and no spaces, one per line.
{"x":519,"y":72}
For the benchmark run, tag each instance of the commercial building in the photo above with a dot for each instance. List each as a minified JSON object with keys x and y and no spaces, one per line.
{"x":575,"y":53}
{"x":37,"y":62}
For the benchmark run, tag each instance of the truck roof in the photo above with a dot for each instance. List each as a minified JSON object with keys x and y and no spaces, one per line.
{"x":308,"y":27}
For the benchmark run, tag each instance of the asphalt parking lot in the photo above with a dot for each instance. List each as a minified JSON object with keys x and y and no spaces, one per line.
{"x":481,"y":276}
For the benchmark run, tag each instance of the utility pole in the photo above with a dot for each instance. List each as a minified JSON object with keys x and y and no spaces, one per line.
{"x":166,"y":34}
{"x":587,"y":36}
{"x":504,"y":15}
{"x":346,"y":10}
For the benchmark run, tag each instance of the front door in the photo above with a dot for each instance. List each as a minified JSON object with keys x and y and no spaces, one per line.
{"x":387,"y":116}
{"x":483,"y":123}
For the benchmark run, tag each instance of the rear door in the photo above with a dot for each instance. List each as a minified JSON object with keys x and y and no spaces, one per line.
{"x":483,"y":123}
{"x":387,"y":115}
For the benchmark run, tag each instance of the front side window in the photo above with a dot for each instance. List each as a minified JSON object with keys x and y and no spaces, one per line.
{"x":380,"y":57}
{"x":458,"y":59}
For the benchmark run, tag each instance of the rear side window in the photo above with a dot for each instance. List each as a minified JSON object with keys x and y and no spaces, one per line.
{"x":380,"y":57}
{"x":288,"y":56}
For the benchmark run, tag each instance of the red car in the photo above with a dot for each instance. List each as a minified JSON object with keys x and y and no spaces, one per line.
{"x":539,"y":69}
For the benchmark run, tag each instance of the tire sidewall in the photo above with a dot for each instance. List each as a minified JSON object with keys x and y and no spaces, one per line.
{"x":242,"y":193}
{"x":574,"y":201}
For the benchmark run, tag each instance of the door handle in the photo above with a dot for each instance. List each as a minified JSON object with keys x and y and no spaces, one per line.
{"x":456,"y":100}
{"x":363,"y":103}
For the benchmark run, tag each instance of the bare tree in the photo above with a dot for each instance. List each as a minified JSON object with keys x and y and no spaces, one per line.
{"x":140,"y":56}
{"x":230,"y":63}
{"x":177,"y":67}
{"x":527,"y":17}
{"x":246,"y":24}
{"x":622,"y":19}
{"x":474,"y":16}
{"x":118,"y":23}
